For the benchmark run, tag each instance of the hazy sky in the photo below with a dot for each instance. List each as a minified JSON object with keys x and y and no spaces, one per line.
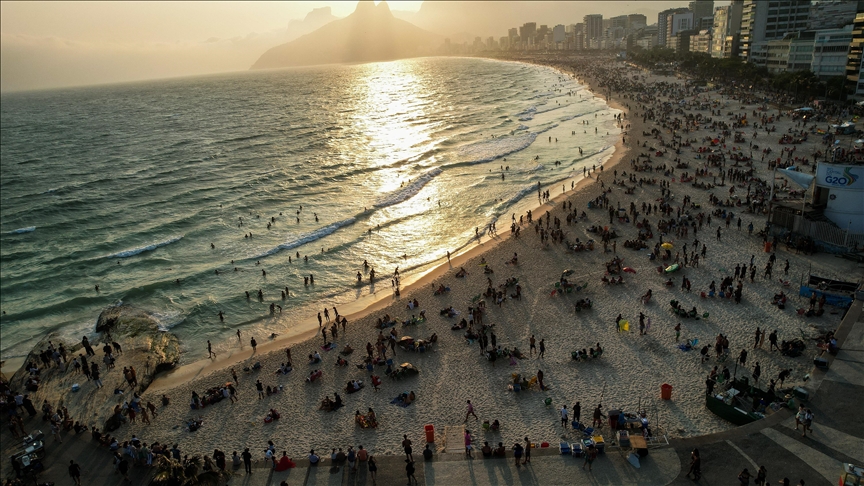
{"x":55,"y":44}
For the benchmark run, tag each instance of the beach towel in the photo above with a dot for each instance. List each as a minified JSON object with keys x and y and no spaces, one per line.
{"x":329,"y":346}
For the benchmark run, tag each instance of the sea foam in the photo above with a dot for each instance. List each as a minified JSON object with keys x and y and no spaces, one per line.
{"x":309,"y":237}
{"x":18,"y":231}
{"x":409,"y":191}
{"x":142,"y":249}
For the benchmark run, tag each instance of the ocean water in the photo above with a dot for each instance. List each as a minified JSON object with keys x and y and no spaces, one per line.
{"x":127,"y":186}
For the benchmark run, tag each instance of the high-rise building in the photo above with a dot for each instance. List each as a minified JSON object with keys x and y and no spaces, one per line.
{"x":831,"y":51}
{"x":726,"y":29}
{"x":832,"y":14}
{"x":619,"y":22}
{"x":593,"y":26}
{"x":854,"y":65}
{"x":701,"y":42}
{"x":702,"y":8}
{"x":765,"y":21}
{"x":636,"y":22}
{"x":558,"y":34}
{"x":504,"y":42}
{"x":662,"y":23}
{"x":527,"y":33}
{"x":675,"y":23}
{"x":512,"y":33}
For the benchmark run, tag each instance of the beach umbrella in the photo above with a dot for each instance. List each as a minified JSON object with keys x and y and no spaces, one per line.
{"x":667,"y":246}
{"x":629,"y":270}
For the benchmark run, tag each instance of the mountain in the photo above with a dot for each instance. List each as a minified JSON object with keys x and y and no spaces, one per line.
{"x":315,"y":19}
{"x":369,"y":34}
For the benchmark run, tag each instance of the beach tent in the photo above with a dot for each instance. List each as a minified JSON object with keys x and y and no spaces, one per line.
{"x":667,"y":246}
{"x":805,"y":108}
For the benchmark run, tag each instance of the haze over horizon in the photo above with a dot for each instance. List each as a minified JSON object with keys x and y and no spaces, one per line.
{"x":47,"y":45}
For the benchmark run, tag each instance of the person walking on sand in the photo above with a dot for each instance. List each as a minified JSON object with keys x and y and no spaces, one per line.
{"x":470,"y":411}
{"x":564,"y":418}
{"x":254,"y":344}
{"x":695,"y":465}
{"x":677,"y":331}
{"x":527,"y":451}
{"x":468,"y":446}
{"x":542,"y":348}
{"x":210,"y":353}
{"x":247,"y":460}
{"x":532,"y":346}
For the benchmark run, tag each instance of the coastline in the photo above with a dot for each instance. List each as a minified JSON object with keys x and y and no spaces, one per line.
{"x":307,"y":330}
{"x":628,"y":377}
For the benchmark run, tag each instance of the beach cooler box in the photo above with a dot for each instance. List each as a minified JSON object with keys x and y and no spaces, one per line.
{"x":576,"y":449}
{"x":599,"y":444}
{"x":564,"y":448}
{"x":624,"y":438}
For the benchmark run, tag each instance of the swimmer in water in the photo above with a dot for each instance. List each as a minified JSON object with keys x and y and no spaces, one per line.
{"x":221,"y":316}
{"x":212,"y":246}
{"x":97,"y":288}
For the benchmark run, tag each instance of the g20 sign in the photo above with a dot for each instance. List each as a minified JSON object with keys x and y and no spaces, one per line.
{"x":840,"y":176}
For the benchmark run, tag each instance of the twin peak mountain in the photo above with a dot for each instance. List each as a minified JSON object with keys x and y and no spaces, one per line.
{"x":369,"y":34}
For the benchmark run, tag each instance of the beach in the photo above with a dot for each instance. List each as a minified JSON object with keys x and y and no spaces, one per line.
{"x":633,"y":366}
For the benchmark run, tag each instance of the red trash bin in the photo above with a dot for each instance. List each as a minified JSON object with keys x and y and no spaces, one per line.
{"x":430,"y":433}
{"x":666,"y":391}
{"x":767,"y":247}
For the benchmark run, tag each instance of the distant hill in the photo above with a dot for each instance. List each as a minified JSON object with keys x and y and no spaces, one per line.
{"x":369,"y":34}
{"x":315,"y":19}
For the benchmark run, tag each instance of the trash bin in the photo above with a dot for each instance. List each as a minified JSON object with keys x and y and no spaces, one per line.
{"x":430,"y":433}
{"x":767,"y":247}
{"x":666,"y":391}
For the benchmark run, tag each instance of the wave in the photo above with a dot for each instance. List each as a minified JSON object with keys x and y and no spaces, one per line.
{"x":408,"y":191}
{"x":142,"y":249}
{"x":304,"y":238}
{"x":18,"y":231}
{"x":489,"y":150}
{"x":515,"y":198}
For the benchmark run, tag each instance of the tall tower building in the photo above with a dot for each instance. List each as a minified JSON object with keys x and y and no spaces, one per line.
{"x":725,"y":31}
{"x":764,"y":21}
{"x":702,"y":8}
{"x":663,"y":23}
{"x":593,"y":26}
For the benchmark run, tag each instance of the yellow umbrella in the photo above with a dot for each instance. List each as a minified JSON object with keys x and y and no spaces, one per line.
{"x":667,"y":246}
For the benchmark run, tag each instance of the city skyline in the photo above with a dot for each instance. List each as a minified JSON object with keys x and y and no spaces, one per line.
{"x":51,"y":45}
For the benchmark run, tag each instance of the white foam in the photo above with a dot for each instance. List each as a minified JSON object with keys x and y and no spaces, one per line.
{"x":408,"y":191}
{"x":491,"y":149}
{"x":142,"y":249}
{"x":18,"y":231}
{"x":304,"y":238}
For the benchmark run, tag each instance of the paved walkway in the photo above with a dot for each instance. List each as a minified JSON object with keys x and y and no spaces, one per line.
{"x":838,"y":431}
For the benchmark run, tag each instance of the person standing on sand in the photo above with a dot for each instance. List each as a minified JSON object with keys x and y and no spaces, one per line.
{"x":527,"y":451}
{"x":210,"y":353}
{"x":532,"y":346}
{"x":254,"y":345}
{"x":238,"y":336}
{"x":564,"y":418}
{"x":542,"y":348}
{"x":756,"y":341}
{"x":373,"y":468}
{"x":320,"y":321}
{"x":470,"y":411}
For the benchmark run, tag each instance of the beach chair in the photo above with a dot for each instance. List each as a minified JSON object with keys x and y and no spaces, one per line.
{"x":588,"y":431}
{"x":576,"y":449}
{"x":564,"y":448}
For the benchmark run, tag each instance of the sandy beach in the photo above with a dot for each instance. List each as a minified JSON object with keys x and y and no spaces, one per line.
{"x":627,"y":376}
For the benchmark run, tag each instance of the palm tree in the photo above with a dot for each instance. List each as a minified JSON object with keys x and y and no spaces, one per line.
{"x":171,"y":472}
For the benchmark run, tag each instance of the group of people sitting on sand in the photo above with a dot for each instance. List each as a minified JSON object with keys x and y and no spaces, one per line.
{"x":367,"y":420}
{"x":329,"y":405}
{"x":595,"y":352}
